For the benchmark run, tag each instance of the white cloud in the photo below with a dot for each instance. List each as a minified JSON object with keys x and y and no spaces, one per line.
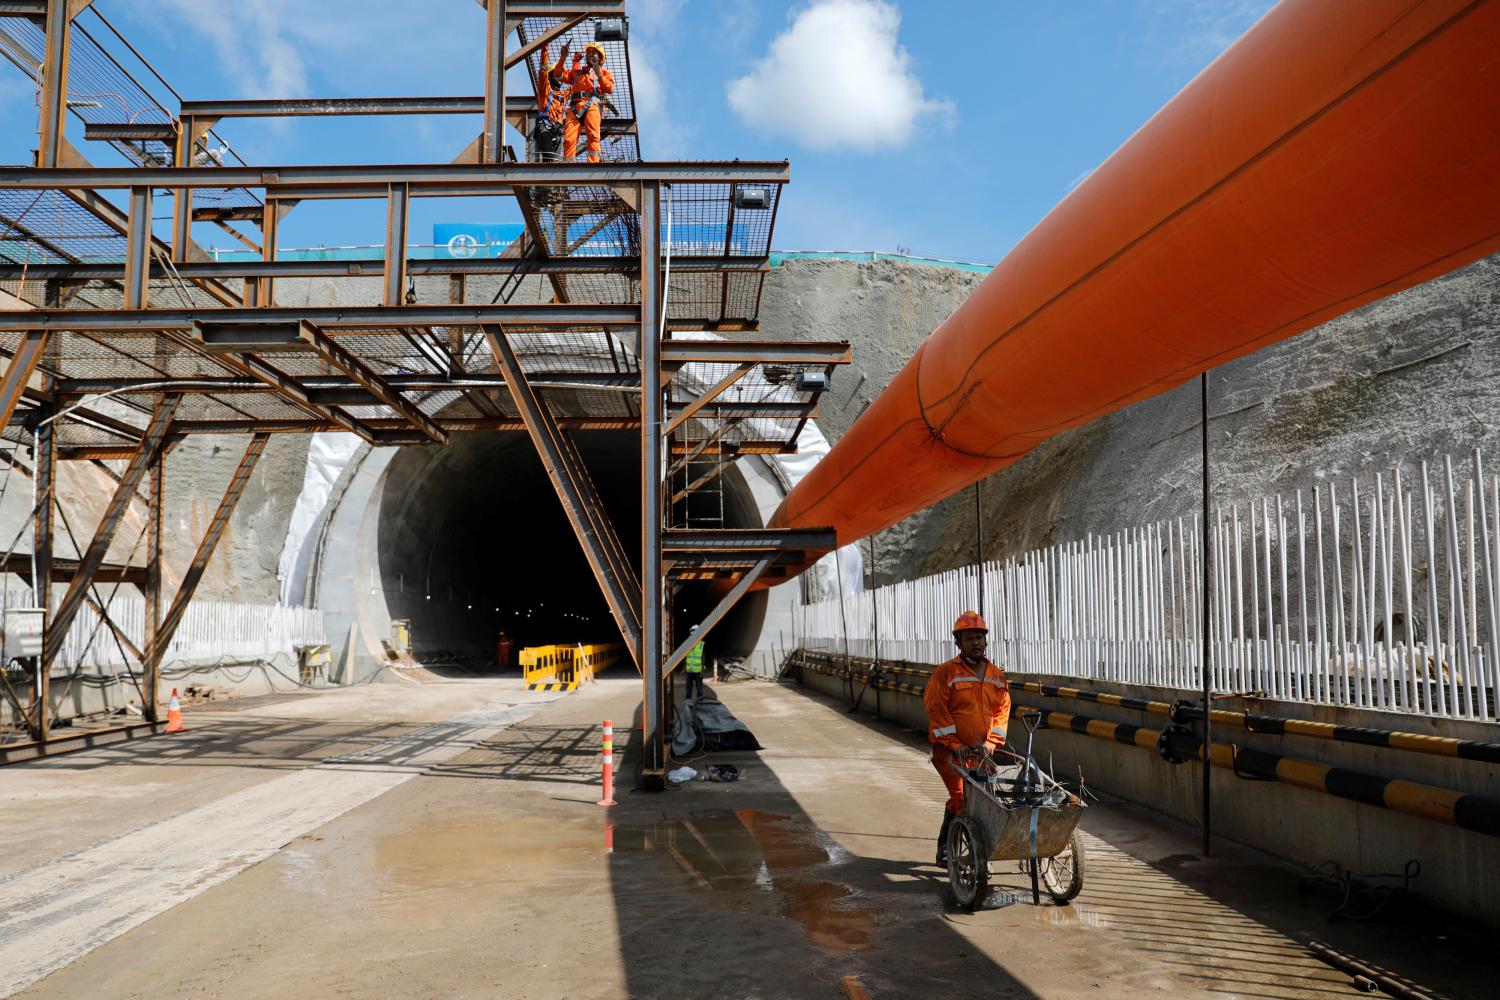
{"x":257,"y":41}
{"x":837,"y":77}
{"x":653,"y":16}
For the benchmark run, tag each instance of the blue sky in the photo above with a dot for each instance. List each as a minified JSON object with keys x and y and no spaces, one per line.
{"x":945,"y":128}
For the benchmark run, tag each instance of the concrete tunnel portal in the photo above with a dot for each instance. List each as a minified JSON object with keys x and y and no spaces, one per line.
{"x":470,"y":539}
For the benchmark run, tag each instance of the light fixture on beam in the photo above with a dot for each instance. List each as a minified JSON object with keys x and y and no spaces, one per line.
{"x":752,"y":198}
{"x":812,"y":381}
{"x":611,"y":29}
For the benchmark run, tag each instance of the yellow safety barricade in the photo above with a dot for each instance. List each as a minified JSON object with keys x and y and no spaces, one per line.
{"x":564,"y":668}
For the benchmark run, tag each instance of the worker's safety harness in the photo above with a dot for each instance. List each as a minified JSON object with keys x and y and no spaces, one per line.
{"x":548,"y":133}
{"x":583,"y":105}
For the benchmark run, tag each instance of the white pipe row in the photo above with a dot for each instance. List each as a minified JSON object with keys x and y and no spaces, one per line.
{"x":209,"y":630}
{"x":1371,"y":595}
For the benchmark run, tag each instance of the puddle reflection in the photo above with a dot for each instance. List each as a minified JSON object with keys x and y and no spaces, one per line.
{"x":750,"y":861}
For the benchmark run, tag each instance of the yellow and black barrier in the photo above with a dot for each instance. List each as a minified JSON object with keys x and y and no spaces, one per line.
{"x":1470,"y":812}
{"x":565,"y":667}
{"x":1185,"y":712}
{"x":879,"y":682}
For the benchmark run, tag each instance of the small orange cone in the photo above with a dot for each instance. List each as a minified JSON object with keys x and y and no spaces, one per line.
{"x":174,"y":715}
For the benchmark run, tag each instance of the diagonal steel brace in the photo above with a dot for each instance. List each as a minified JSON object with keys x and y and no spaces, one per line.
{"x":114,"y":513}
{"x":593,"y":531}
{"x":236,"y":489}
{"x":725,"y":605}
{"x":19,"y":371}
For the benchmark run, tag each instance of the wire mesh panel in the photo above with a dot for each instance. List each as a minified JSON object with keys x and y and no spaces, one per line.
{"x":45,"y":226}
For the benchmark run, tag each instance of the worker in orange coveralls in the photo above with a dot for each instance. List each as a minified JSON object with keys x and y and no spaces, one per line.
{"x":968,"y":706}
{"x":591,"y":86}
{"x":552,"y":103}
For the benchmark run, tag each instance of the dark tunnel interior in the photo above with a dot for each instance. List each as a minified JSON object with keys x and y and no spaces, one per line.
{"x":472,"y":540}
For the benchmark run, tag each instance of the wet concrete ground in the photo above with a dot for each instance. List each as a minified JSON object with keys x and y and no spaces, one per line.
{"x":485,"y":869}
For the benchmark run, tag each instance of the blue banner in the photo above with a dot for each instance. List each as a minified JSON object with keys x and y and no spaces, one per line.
{"x":463,"y":240}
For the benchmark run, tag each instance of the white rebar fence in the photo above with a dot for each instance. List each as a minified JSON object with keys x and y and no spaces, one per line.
{"x":210,"y":630}
{"x":1381,"y":594}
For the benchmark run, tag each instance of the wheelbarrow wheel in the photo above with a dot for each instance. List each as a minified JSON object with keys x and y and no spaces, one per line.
{"x":1063,"y":874}
{"x":968,"y":865}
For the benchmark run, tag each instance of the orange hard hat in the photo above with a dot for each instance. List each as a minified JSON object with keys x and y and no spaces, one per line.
{"x":968,"y":620}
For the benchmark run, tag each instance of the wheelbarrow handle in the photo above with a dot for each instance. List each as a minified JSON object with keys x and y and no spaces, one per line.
{"x":962,"y":758}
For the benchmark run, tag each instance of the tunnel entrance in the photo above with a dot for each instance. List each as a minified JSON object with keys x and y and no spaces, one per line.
{"x":472,"y":540}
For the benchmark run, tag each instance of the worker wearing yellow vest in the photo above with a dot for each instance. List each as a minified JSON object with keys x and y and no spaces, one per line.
{"x":694,"y":669}
{"x":968,"y":707}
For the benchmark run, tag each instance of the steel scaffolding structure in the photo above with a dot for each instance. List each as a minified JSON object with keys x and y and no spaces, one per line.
{"x":633,"y":254}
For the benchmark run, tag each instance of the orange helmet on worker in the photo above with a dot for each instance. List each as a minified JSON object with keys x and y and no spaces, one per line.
{"x":968,"y":620}
{"x":968,"y":708}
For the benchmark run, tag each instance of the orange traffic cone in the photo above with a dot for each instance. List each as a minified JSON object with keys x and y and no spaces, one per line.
{"x":174,"y":715}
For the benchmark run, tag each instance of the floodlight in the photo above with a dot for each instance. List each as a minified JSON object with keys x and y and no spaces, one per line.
{"x":752,"y":198}
{"x":611,"y":29}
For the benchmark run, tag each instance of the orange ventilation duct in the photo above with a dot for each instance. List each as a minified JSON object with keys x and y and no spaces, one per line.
{"x":1342,"y":150}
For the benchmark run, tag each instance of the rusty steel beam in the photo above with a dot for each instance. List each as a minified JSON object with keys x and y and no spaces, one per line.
{"x":492,"y":134}
{"x":289,"y":388}
{"x":707,"y":477}
{"x":759,"y":351}
{"x":114,"y":512}
{"x":189,"y":131}
{"x":712,"y":441}
{"x":18,"y":372}
{"x":751,"y":543}
{"x":586,"y":521}
{"x":397,"y":201}
{"x":54,"y":83}
{"x":41,"y":560}
{"x":381,"y":425}
{"x":130,"y":132}
{"x":725,"y":605}
{"x":92,"y":600}
{"x":63,"y":570}
{"x":545,"y":38}
{"x":653,"y":516}
{"x":138,"y":249}
{"x":151,"y":590}
{"x":236,"y":489}
{"x":596,"y":505}
{"x":500,"y":266}
{"x":325,"y":317}
{"x":333,"y":383}
{"x":558,"y":8}
{"x":326,"y":106}
{"x":375,"y":384}
{"x":707,"y":397}
{"x":423,"y":177}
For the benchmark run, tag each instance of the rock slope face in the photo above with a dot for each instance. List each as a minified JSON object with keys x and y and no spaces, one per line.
{"x":1414,"y":376}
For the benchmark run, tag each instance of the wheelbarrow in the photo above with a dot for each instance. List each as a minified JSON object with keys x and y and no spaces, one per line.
{"x":1014,"y":811}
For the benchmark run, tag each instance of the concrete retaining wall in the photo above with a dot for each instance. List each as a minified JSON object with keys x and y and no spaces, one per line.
{"x":98,"y":693}
{"x":1460,"y":868}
